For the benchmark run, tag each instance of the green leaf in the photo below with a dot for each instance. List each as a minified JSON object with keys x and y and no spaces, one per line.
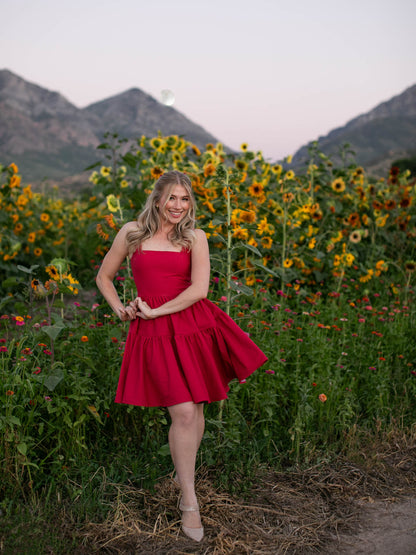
{"x":164,"y":451}
{"x":10,"y":282}
{"x":218,"y":221}
{"x":27,"y":270}
{"x":95,"y":165}
{"x":241,"y":288}
{"x":22,"y":448}
{"x":14,"y":420}
{"x":276,"y":273}
{"x":53,"y":331}
{"x":130,"y":159}
{"x":252,"y":248}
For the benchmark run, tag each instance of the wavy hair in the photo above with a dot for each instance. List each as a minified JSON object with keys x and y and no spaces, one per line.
{"x":149,"y":220}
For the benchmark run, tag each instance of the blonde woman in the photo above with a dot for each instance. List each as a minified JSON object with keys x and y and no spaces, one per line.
{"x":182,"y":350}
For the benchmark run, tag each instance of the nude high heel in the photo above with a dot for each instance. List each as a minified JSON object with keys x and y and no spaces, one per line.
{"x":194,"y":533}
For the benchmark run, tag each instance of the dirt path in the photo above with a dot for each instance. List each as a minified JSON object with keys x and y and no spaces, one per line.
{"x":385,"y":528}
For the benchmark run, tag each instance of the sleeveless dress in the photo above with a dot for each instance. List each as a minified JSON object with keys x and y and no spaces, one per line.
{"x":190,"y":355}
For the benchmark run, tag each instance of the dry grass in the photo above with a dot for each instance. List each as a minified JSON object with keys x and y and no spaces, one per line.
{"x":298,"y":511}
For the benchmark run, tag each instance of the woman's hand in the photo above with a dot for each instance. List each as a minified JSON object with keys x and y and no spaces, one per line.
{"x":144,"y":310}
{"x":126,"y":313}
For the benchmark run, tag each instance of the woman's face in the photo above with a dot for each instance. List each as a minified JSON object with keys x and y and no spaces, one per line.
{"x":177,"y":205}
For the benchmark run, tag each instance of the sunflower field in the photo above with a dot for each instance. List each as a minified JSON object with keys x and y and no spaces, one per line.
{"x":317,"y":266}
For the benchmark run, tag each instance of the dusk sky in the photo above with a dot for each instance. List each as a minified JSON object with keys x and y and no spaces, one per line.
{"x":270,"y":73}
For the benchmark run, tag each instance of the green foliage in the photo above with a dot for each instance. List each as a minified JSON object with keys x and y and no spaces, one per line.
{"x":318,"y":268}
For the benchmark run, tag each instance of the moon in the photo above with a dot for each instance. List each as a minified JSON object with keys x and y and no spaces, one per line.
{"x":168,"y":98}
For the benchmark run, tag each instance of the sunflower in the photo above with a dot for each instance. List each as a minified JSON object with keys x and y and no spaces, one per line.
{"x":244,"y":147}
{"x":248,"y":216}
{"x":290,"y":174}
{"x":44,"y":217}
{"x":264,"y":227}
{"x":355,"y":237}
{"x":241,"y":165}
{"x":209,"y":146}
{"x":410,"y":266}
{"x":52,"y":272}
{"x":354,"y":219}
{"x":377,"y":205}
{"x":35,"y":284}
{"x":209,"y":169}
{"x":349,"y":259}
{"x":266,"y":242}
{"x":240,"y":233}
{"x":277,"y":169}
{"x":381,"y":220}
{"x":105,"y":171}
{"x":338,"y":185}
{"x":13,"y":167}
{"x":288,"y":262}
{"x":256,"y":190}
{"x":405,"y":202}
{"x":209,"y":205}
{"x":156,"y":142}
{"x":196,"y":150}
{"x":288,"y":197}
{"x":31,"y":237}
{"x":252,"y":242}
{"x":38,"y":251}
{"x":156,"y":172}
{"x":18,"y":228}
{"x":390,"y":204}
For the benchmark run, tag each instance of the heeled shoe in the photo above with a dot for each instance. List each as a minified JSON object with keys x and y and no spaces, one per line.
{"x":194,"y":533}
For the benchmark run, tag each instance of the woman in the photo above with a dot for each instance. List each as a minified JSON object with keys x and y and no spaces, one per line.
{"x":181,"y":350}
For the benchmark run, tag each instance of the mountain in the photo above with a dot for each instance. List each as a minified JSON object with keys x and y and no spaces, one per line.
{"x":382,"y":135}
{"x":48,"y":137}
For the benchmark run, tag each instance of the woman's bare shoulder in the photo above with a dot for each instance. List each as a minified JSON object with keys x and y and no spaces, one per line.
{"x":200,"y":234}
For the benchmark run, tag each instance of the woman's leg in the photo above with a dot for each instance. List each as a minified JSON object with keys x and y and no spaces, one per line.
{"x":184,"y":439}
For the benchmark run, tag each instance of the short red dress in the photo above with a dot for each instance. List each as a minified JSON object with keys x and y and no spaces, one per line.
{"x":190,"y":355}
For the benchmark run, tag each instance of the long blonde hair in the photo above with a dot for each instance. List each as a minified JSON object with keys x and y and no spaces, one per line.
{"x":149,"y":221}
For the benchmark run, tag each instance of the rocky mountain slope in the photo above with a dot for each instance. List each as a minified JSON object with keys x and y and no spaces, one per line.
{"x":379,"y":137}
{"x":48,"y":137}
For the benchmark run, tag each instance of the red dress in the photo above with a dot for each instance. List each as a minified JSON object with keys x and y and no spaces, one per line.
{"x":190,"y":355}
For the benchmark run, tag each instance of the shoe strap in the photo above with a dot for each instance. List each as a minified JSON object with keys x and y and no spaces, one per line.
{"x":184,"y":508}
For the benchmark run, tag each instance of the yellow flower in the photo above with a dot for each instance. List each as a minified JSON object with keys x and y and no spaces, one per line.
{"x":248,"y":216}
{"x":367,"y":277}
{"x":338,"y":185}
{"x":256,"y":190}
{"x":244,"y":147}
{"x":289,"y":159}
{"x":209,"y":205}
{"x":277,"y":169}
{"x":290,"y":174}
{"x":105,"y":171}
{"x":113,"y":203}
{"x":241,"y":165}
{"x":264,"y":227}
{"x":240,"y":233}
{"x":381,"y":265}
{"x":337,"y":260}
{"x":196,"y":150}
{"x":52,"y":272}
{"x":44,"y":217}
{"x":31,"y":237}
{"x":252,"y":242}
{"x":288,"y":197}
{"x":124,"y":184}
{"x":38,"y":251}
{"x":312,"y":243}
{"x":209,"y":169}
{"x":156,"y":172}
{"x":250,"y":281}
{"x":267,"y":242}
{"x":381,"y":220}
{"x":84,"y":338}
{"x":288,"y":263}
{"x":18,"y":228}
{"x":14,"y":167}
{"x":349,"y":259}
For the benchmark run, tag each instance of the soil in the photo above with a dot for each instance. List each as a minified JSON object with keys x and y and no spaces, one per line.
{"x":384,"y":528}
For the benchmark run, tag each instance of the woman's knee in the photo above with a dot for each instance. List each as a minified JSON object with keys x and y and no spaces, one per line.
{"x":184,"y":415}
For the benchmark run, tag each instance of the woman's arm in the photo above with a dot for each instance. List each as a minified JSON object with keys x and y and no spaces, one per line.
{"x":109,"y":267}
{"x":195,"y":292}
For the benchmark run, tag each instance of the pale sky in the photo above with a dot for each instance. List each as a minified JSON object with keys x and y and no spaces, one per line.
{"x":275,"y":74}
